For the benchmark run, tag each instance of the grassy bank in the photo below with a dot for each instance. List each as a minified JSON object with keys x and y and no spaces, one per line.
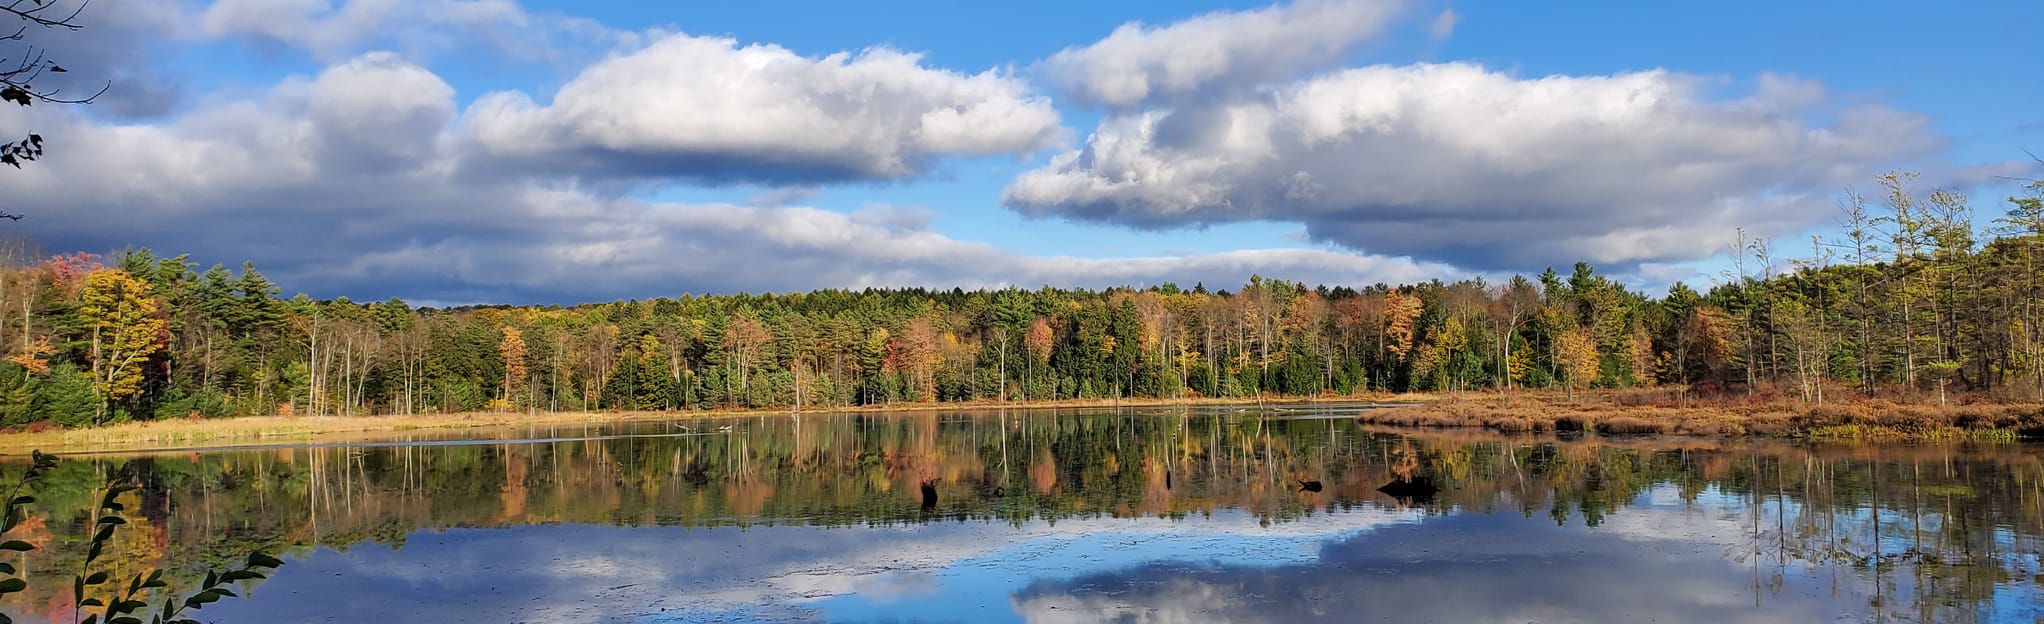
{"x":1672,"y":412}
{"x":195,"y":433}
{"x":1615,"y":412}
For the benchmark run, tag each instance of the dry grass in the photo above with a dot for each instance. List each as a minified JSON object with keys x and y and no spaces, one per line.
{"x":1676,"y":412}
{"x":180,"y":434}
{"x":265,"y":430}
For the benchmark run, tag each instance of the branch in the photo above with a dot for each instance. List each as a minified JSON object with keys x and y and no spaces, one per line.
{"x":33,"y":14}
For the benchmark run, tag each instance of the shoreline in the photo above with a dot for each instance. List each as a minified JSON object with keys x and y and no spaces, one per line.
{"x":1623,"y":412}
{"x":175,"y":435}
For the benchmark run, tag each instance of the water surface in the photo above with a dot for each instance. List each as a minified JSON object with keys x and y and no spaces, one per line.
{"x":1156,"y":515}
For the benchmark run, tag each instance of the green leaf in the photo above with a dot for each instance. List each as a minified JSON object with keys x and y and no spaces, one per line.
{"x":96,"y":578}
{"x":21,"y":500}
{"x":238,"y":575}
{"x":91,"y":602}
{"x":91,"y":620}
{"x":225,"y":592}
{"x":17,"y":545}
{"x":260,"y":560}
{"x":9,"y":586}
{"x":125,"y":619}
{"x":6,"y":568}
{"x":112,"y":520}
{"x":200,"y":599}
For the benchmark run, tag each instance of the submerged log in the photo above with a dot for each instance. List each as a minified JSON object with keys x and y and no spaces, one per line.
{"x":1414,"y":490}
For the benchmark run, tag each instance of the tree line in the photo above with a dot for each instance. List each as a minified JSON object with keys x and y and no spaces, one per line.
{"x":1916,"y":296}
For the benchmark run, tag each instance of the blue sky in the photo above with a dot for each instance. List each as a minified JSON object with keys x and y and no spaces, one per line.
{"x":450,"y":151}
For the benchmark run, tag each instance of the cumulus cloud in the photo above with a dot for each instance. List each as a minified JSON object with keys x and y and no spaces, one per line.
{"x":360,"y":181}
{"x":1139,"y":64}
{"x":1478,"y":168}
{"x":709,"y":109}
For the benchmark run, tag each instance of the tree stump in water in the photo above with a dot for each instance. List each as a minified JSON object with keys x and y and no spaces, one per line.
{"x":1417,"y":490}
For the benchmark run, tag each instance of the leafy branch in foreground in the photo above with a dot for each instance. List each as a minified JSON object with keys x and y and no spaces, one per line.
{"x":119,"y":606}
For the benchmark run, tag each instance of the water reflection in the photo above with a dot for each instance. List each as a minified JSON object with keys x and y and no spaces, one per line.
{"x":1157,"y":516}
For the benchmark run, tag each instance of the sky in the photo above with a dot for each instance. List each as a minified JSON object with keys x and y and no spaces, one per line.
{"x":495,"y":151}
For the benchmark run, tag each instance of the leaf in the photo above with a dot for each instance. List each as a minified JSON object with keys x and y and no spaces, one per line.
{"x":200,"y":599}
{"x":22,"y":500}
{"x":96,"y":578}
{"x":12,"y":585}
{"x":265,"y":561}
{"x":112,"y":520}
{"x":6,"y":568}
{"x":17,"y":545}
{"x":58,"y":69}
{"x":125,"y":619}
{"x":15,"y":95}
{"x":91,"y":602}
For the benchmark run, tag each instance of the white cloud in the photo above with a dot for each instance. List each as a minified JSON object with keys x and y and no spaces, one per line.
{"x":329,"y":32}
{"x":710,"y":109}
{"x":359,"y":181}
{"x":1444,"y":24}
{"x":1139,"y":64}
{"x":1459,"y":164}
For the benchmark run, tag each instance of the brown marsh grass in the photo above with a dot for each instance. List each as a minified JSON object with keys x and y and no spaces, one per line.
{"x":1673,"y":411}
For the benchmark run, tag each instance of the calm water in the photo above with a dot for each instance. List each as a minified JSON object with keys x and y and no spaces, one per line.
{"x":1170,"y":515}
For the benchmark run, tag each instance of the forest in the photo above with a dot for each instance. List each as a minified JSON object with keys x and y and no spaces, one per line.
{"x":1917,"y":297}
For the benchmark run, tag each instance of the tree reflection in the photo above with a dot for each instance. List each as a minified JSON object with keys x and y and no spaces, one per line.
{"x":1937,"y":531}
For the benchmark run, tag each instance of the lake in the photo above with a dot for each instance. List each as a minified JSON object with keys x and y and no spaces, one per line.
{"x":1214,"y":514}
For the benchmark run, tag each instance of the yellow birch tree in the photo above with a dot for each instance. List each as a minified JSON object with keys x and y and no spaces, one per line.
{"x":127,"y":329}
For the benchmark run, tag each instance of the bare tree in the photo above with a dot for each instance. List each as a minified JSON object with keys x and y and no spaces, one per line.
{"x":28,"y":62}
